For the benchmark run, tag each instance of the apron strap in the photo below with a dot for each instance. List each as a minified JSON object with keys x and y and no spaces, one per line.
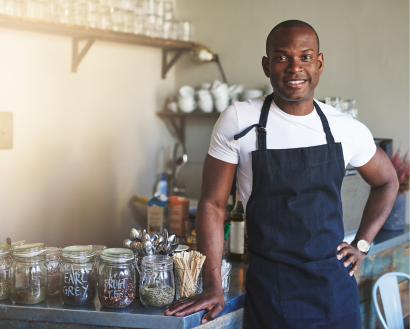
{"x":263,"y":119}
{"x":325,"y":124}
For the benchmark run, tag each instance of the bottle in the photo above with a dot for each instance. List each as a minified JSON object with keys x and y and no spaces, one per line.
{"x":162,"y":187}
{"x":353,"y":109}
{"x":237,"y":233}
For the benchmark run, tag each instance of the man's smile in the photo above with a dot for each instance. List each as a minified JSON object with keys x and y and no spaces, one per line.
{"x":296,"y":83}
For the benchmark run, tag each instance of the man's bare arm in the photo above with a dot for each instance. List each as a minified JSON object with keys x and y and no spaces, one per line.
{"x":216,"y":184}
{"x":379,"y":173}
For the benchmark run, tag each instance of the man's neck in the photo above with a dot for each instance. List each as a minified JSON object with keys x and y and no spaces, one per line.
{"x":298,"y":108}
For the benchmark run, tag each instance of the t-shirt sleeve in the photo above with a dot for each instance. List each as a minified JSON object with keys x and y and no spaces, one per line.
{"x":223,"y":146}
{"x":364,"y":146}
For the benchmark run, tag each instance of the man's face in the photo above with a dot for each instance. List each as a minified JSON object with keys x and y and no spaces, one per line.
{"x":294,"y":65}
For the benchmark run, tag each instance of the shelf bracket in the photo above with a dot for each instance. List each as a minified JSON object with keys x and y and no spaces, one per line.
{"x":167,"y":66}
{"x":77,"y":57}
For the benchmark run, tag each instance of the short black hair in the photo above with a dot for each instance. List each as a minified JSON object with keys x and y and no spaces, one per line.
{"x":289,"y":24}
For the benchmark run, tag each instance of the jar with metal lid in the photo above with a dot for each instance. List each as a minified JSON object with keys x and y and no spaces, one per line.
{"x":157,"y":284}
{"x":29,"y":273}
{"x":6,"y":272}
{"x":53,"y":261}
{"x":116,"y":278}
{"x":78,"y":275}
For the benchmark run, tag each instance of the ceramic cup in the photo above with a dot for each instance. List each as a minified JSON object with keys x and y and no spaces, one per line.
{"x":186,"y":91}
{"x":221,"y":103}
{"x":251,"y":93}
{"x":186,"y":104}
{"x":173,"y":106}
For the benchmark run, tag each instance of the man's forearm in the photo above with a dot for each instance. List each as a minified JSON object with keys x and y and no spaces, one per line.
{"x":209,"y":228}
{"x":376,"y":211}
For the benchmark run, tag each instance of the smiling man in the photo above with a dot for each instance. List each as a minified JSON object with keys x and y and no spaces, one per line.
{"x":290,"y":152}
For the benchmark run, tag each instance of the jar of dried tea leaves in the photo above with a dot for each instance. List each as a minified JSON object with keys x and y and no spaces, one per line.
{"x":6,"y":272}
{"x":157,"y":284}
{"x":116,"y":278}
{"x":29,"y":273}
{"x":78,"y":275}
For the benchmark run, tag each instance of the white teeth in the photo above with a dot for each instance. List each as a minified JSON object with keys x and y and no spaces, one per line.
{"x":295,"y":82}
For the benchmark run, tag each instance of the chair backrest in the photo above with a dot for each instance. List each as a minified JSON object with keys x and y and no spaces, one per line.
{"x":390,"y":296}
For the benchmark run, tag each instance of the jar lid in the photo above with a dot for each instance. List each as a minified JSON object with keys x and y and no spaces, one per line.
{"x":29,"y":250}
{"x":4,"y":249}
{"x":117,"y":255}
{"x":78,"y":251}
{"x":156,"y":261}
{"x":53,"y":251}
{"x":98,"y":247}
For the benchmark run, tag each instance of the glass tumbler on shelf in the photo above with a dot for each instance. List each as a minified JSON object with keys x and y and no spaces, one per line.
{"x":184,"y":30}
{"x":157,"y":284}
{"x":116,"y":278}
{"x":53,"y":261}
{"x":29,"y":273}
{"x":80,"y":13}
{"x":6,"y":272}
{"x":105,"y":18}
{"x":78,"y":275}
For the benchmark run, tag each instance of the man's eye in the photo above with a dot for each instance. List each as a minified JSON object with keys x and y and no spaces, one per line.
{"x":282,"y":58}
{"x":307,"y":57}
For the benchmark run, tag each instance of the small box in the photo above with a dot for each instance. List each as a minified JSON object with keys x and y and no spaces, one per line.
{"x":157,"y":215}
{"x":178,"y":215}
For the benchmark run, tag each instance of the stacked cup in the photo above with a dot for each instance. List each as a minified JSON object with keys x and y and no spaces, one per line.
{"x":186,"y":99}
{"x":205,"y":101}
{"x":220,"y":92}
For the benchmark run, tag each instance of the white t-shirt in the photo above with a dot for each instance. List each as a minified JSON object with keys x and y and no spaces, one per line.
{"x":284,"y":131}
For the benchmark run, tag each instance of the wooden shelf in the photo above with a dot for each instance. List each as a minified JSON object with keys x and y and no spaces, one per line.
{"x":195,"y":114}
{"x":175,"y":122}
{"x":90,"y":35}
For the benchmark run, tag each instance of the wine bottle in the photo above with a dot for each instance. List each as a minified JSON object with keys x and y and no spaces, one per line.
{"x":237,"y":233}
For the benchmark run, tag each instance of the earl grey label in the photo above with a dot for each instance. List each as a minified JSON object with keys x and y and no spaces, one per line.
{"x":75,"y":283}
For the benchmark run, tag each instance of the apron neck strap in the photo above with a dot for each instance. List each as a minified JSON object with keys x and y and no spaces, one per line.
{"x":263,"y":119}
{"x":325,"y":124}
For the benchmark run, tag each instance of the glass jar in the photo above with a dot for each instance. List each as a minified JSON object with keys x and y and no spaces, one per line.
{"x":116,"y":278}
{"x":29,"y":273}
{"x":98,"y":248}
{"x":53,"y":261}
{"x":6,"y":272}
{"x":78,"y":275}
{"x":157,"y":284}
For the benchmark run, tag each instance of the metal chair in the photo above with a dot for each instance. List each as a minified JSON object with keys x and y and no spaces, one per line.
{"x":390,"y":296}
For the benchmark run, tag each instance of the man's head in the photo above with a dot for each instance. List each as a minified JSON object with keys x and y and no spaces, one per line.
{"x":289,"y":24}
{"x":293,"y":61}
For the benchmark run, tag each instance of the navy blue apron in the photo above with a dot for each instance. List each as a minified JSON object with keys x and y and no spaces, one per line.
{"x":295,"y":223}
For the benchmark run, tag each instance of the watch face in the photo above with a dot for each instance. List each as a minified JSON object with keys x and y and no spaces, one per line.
{"x":363,"y":245}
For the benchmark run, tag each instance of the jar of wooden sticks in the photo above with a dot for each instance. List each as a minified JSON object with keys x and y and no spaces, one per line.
{"x":188,"y":273}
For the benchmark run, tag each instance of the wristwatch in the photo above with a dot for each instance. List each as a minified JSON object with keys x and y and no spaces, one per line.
{"x":362,"y":245}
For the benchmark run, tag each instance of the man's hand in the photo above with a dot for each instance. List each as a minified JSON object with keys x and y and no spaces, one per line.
{"x":355,"y":258}
{"x":210,"y":299}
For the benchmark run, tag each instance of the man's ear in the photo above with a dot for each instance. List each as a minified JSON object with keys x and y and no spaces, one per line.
{"x":321,"y":61}
{"x":266,"y":66}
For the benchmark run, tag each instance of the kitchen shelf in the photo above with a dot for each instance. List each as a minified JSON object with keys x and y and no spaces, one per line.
{"x":90,"y":35}
{"x":175,"y":122}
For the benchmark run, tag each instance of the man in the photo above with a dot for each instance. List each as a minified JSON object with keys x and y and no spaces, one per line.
{"x":290,"y":173}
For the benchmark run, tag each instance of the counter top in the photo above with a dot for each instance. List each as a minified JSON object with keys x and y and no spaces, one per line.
{"x":53,"y":310}
{"x":135,"y":316}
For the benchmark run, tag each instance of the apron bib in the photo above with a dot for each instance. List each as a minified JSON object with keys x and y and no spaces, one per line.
{"x":295,"y":223}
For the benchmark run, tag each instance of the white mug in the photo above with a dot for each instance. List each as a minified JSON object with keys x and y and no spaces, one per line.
{"x":186,"y":104}
{"x":186,"y":91}
{"x":206,"y":105}
{"x":221,"y":103}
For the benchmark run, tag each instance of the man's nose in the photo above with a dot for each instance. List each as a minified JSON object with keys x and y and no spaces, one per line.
{"x":294,"y":66}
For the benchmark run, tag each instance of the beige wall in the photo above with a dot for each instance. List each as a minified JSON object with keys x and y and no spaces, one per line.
{"x":84,"y":143}
{"x":365,"y":45}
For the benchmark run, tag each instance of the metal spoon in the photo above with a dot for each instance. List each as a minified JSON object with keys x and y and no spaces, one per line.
{"x":127,"y":243}
{"x":134,"y":235}
{"x":145,"y":238}
{"x":165,"y":234}
{"x":133,"y":246}
{"x":144,"y":232}
{"x":154,"y":237}
{"x":172,"y":238}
